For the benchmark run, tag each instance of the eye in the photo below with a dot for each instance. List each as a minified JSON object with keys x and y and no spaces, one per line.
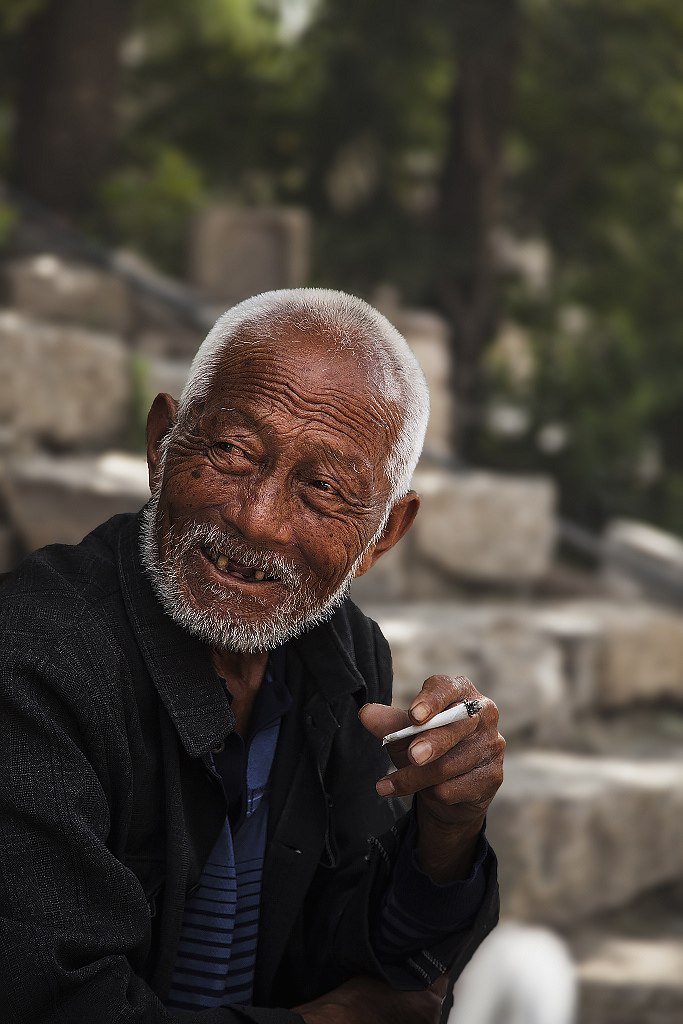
{"x":322,"y":485}
{"x":227,"y":448}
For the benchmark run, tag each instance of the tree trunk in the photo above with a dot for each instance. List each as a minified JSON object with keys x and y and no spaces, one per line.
{"x":65,"y":110}
{"x":470,"y":192}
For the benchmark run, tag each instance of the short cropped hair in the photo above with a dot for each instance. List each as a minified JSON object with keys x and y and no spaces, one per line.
{"x":347,"y":323}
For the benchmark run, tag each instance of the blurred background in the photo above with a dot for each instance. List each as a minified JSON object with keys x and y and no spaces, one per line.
{"x":504,"y":180}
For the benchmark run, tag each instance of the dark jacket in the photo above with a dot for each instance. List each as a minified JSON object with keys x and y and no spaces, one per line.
{"x":110,"y":807}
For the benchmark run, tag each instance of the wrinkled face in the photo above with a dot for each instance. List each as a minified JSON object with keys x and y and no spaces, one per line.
{"x":272,"y":494}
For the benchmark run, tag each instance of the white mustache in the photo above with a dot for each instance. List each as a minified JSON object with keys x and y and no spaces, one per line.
{"x":222,"y":542}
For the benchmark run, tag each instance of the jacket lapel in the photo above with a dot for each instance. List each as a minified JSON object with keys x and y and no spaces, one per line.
{"x":179,"y":664}
{"x":299,"y":837}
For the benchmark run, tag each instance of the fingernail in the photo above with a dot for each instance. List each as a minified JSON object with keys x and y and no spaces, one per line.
{"x":363,"y":709}
{"x":385,"y":787}
{"x":420,"y":712}
{"x":421,"y":751}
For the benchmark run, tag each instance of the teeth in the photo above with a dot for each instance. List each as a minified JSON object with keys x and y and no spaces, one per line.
{"x":222,"y":562}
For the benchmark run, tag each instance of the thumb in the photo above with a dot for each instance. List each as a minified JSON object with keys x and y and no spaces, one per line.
{"x":380,"y":719}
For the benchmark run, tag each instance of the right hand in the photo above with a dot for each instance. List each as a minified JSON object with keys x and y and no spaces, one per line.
{"x":369,"y":1001}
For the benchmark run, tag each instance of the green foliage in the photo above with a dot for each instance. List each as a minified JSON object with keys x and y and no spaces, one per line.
{"x":348,"y":121}
{"x":15,"y":13}
{"x":351,"y":120}
{"x":596,"y":166}
{"x":148,"y":205}
{"x":141,"y":398}
{"x":8,"y":218}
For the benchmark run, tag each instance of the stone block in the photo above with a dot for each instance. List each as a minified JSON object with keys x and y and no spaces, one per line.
{"x":579,"y":637}
{"x":387,"y":580}
{"x":166,"y":375}
{"x":485,"y":526}
{"x":61,"y":384}
{"x":618,"y":653}
{"x":49,"y":288}
{"x":427,"y":333}
{"x":60,"y":500}
{"x":642,"y":561}
{"x":641,"y":656}
{"x":632,"y":981}
{"x":236,"y":252}
{"x":578,"y":835}
{"x":497,"y":647}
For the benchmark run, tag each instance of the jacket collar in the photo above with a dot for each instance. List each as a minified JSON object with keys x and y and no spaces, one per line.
{"x":181,"y":667}
{"x":179,"y":664}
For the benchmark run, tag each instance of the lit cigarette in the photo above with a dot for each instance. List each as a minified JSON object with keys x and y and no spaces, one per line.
{"x":456,"y":714}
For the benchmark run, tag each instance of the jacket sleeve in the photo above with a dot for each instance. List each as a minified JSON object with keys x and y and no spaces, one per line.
{"x":74,"y":921}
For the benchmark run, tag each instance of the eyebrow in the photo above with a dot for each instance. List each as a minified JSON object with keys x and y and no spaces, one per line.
{"x":319,"y":449}
{"x":329,"y":452}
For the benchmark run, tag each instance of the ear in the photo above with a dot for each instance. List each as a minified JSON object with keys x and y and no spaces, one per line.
{"x":161,"y":418}
{"x":399,"y":522}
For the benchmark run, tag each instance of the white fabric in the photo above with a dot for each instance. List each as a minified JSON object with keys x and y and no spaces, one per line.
{"x":519,"y":975}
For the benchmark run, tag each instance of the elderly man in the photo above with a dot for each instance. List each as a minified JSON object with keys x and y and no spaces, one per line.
{"x":197,"y":814}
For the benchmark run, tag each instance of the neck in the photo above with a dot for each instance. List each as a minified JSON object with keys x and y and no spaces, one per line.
{"x":244,"y":675}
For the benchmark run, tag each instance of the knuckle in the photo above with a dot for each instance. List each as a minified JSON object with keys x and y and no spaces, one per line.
{"x":489,"y":711}
{"x":445,"y":792}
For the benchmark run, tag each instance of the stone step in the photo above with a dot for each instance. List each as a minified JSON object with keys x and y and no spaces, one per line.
{"x":499,"y":647}
{"x":546,"y":666}
{"x":475,"y":527}
{"x":61,"y":385}
{"x":485,"y":526}
{"x":50,"y":288}
{"x":579,"y":835}
{"x":632,"y":981}
{"x":59,"y":500}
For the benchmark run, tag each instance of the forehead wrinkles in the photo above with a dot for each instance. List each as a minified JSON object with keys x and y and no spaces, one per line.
{"x":354,"y":410}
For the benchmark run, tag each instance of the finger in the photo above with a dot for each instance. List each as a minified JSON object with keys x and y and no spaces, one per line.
{"x":453,"y":778}
{"x":475,"y":789}
{"x":381,"y":719}
{"x":438,"y":693}
{"x":473,"y":754}
{"x":434,"y":743}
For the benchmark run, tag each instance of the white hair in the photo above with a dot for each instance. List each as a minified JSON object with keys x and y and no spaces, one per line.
{"x":346,"y":323}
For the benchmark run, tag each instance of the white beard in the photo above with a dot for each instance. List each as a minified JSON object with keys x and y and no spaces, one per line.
{"x":216,"y":624}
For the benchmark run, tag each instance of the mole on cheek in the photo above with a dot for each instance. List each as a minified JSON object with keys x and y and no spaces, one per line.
{"x":196,"y":473}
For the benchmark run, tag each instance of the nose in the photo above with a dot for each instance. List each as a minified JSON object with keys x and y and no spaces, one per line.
{"x":262,"y":512}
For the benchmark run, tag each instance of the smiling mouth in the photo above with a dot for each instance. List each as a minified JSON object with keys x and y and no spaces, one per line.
{"x":249,"y":573}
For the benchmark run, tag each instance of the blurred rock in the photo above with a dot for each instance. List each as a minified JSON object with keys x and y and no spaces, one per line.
{"x":63,"y":385}
{"x":642,"y":653}
{"x":236,"y":252}
{"x":166,"y":375}
{"x":617,"y":654}
{"x":53,"y":500}
{"x":632,"y":981}
{"x":485,"y":526}
{"x":577,"y":835}
{"x":49,"y":288}
{"x":427,"y":333}
{"x":388,"y":580}
{"x":578,"y":635}
{"x":642,"y":561}
{"x":499,"y":648}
